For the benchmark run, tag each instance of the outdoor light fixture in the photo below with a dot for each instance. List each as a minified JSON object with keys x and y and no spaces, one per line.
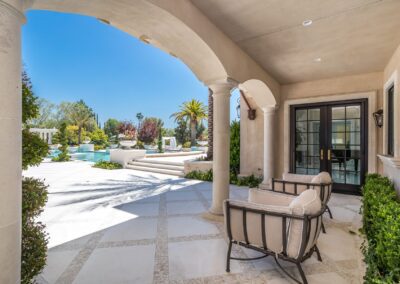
{"x":251,"y":113}
{"x":378,"y":116}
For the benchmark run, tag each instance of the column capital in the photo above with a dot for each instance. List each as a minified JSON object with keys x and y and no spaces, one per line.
{"x":269,"y":109}
{"x":223,"y":85}
{"x":13,"y":8}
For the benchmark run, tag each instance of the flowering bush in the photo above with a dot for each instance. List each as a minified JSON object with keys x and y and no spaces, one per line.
{"x":148,"y":131}
{"x":127,"y":129}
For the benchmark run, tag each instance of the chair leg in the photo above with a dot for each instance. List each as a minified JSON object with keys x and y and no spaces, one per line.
{"x":323,"y":227}
{"x":228,"y":257}
{"x":303,"y":276}
{"x":318,"y":253}
{"x":329,"y":212}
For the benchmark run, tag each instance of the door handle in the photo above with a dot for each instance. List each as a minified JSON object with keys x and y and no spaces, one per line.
{"x":321,"y":154}
{"x":329,"y":154}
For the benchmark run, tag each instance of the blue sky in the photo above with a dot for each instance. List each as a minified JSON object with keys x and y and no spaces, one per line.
{"x":72,"y":57}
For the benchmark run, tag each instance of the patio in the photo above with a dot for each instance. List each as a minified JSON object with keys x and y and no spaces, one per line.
{"x":135,"y":227}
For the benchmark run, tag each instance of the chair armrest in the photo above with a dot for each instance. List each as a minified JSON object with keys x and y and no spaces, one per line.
{"x":269,"y":197}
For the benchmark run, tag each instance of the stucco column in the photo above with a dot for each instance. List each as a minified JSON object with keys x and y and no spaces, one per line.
{"x":10,"y":140}
{"x":221,"y":138}
{"x":269,"y":115}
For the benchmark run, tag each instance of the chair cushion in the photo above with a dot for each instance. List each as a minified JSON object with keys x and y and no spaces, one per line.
{"x":308,"y":202}
{"x":322,"y":177}
{"x":268,"y":197}
{"x":297,"y":177}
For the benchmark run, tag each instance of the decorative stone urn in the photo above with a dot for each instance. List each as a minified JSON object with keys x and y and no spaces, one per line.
{"x":127,"y":144}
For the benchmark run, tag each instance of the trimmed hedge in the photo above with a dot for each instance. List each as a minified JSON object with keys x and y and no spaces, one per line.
{"x":381,"y":226}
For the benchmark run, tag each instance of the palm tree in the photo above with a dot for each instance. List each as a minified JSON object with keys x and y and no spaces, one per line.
{"x":210,"y":124}
{"x":193,"y":112}
{"x":82,"y":116}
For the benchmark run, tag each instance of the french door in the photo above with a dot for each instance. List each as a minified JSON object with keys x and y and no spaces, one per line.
{"x":331,"y":137}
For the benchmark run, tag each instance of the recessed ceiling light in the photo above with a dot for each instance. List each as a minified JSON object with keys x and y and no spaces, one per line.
{"x":318,"y":59}
{"x":307,"y":23}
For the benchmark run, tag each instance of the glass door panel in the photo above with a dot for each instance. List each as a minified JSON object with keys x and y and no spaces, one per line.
{"x":345,"y":144}
{"x":307,"y":141}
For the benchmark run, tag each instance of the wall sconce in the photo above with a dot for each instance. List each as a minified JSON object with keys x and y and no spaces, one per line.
{"x":251,"y":113}
{"x":378,"y":116}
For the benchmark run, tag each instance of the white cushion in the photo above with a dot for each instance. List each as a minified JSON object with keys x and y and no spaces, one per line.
{"x":297,"y":177}
{"x":308,"y":202}
{"x":269,"y":197}
{"x":322,"y":177}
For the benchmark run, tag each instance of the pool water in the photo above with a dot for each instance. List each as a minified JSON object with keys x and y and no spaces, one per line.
{"x":85,"y":156}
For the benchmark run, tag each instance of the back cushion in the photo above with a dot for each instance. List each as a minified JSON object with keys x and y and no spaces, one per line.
{"x":325,"y":178}
{"x":297,"y":177}
{"x":308,"y":202}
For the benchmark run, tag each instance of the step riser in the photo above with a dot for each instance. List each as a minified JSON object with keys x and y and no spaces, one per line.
{"x":157,"y":166}
{"x":156,"y":170}
{"x":149,"y":161}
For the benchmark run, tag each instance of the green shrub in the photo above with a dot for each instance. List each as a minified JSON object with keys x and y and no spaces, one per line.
{"x":139,"y":145}
{"x":381,"y":226}
{"x":63,"y":139}
{"x":34,"y":238}
{"x":107,"y":165}
{"x":34,"y":191}
{"x":235,"y":148}
{"x":250,"y":181}
{"x":187,"y":144}
{"x":205,"y":176}
{"x":99,"y":138}
{"x":34,"y":149}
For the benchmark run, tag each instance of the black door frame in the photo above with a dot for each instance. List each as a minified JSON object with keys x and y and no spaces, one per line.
{"x":364,"y":119}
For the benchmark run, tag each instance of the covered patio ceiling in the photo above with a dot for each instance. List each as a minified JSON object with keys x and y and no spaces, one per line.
{"x":346,"y":37}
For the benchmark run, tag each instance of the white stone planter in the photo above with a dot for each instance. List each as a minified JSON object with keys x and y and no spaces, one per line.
{"x":200,"y":166}
{"x":127,"y":143}
{"x":122,"y":156}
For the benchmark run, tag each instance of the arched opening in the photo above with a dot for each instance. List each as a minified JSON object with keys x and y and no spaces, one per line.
{"x":257,"y":135}
{"x":152,"y":22}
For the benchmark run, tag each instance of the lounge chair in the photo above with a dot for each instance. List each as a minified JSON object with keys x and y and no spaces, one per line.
{"x":285,"y":227}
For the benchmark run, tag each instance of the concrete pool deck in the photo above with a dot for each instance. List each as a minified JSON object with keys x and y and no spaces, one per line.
{"x":126,"y":226}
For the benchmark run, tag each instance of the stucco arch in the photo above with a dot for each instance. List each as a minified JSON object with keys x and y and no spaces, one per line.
{"x":176,"y":27}
{"x":151,"y":24}
{"x":259,"y":92}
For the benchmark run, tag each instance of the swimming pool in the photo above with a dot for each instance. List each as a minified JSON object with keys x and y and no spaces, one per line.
{"x":84,"y":156}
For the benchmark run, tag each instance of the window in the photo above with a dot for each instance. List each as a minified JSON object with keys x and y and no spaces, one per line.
{"x":390,"y":122}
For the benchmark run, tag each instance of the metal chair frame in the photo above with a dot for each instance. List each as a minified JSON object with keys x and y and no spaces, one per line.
{"x":306,"y":235}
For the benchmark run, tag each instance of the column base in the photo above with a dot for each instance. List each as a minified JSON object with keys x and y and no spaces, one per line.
{"x":265,"y":185}
{"x":208,"y":215}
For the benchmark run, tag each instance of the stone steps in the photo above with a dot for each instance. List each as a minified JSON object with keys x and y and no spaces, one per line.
{"x":161,"y":167}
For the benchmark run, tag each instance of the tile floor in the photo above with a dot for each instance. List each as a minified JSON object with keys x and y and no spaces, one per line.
{"x":132,"y":227}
